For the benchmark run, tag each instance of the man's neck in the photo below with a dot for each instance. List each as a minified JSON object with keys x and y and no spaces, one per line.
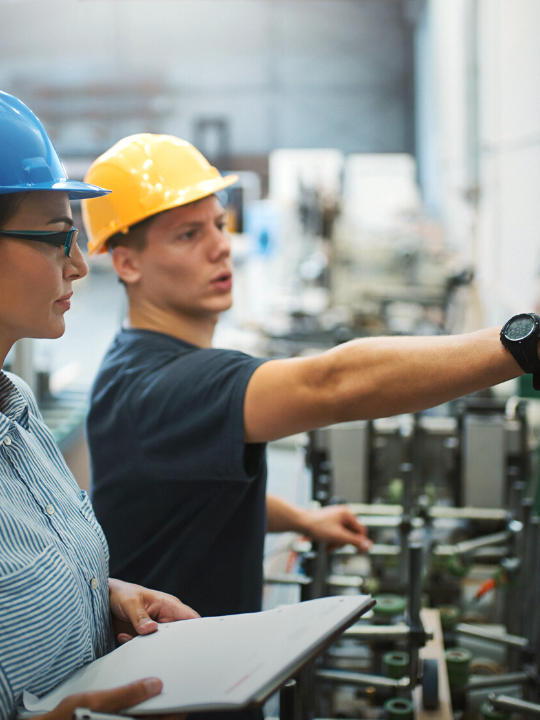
{"x":197,"y":330}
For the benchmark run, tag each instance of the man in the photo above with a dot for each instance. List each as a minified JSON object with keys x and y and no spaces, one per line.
{"x":177,"y":429}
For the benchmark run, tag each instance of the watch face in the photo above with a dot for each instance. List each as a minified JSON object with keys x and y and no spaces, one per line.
{"x":519,"y":328}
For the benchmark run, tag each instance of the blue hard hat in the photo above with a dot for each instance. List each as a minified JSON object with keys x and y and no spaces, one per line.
{"x":28,"y":159}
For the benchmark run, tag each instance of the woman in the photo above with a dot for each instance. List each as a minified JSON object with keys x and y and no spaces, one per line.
{"x":58,"y":608}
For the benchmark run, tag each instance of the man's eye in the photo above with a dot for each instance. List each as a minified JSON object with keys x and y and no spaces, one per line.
{"x":188,"y":235}
{"x":222,"y":226}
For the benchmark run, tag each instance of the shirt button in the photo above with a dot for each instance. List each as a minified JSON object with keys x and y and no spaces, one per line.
{"x":49,"y":509}
{"x":7,"y":440}
{"x":94,"y":584}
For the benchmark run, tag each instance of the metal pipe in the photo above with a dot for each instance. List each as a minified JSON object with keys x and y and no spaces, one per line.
{"x":468,"y":513}
{"x":287,"y":579}
{"x":532,"y":539}
{"x":381,"y":550}
{"x":383,"y":633}
{"x":492,"y":681}
{"x":415,"y":582}
{"x":484,"y":634}
{"x":523,"y":578}
{"x":347,"y":677}
{"x":517,"y":491}
{"x":344,"y":581}
{"x":415,"y":558}
{"x":505,"y":702}
{"x":436,"y":511}
{"x":287,"y":701}
{"x":535,"y":621}
{"x":467,"y":546}
{"x":406,"y":472}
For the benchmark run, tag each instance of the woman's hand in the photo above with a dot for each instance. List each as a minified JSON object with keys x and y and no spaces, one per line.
{"x":137,"y":610}
{"x":110,"y":701}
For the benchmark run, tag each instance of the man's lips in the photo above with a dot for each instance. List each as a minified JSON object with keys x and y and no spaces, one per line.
{"x":64,"y":301}
{"x":223,"y":281}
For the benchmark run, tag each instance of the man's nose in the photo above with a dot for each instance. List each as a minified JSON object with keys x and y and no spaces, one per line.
{"x":221,"y":244}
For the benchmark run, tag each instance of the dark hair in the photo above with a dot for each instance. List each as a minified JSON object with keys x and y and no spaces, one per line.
{"x":134,"y":238}
{"x":9,"y":204}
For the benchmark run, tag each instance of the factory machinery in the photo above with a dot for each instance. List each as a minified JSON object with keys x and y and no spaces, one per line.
{"x":454,"y":567}
{"x":445,"y":494}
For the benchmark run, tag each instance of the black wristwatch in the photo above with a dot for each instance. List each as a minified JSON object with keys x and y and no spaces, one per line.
{"x":520,"y":335}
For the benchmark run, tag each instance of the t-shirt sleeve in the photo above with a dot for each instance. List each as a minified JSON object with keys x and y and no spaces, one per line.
{"x":189,"y":417}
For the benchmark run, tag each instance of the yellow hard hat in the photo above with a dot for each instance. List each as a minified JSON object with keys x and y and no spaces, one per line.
{"x":147,"y":174}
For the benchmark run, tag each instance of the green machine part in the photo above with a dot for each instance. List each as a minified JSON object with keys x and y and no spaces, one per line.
{"x":449,"y":616}
{"x":458,"y":661}
{"x":396,"y":664}
{"x":388,"y":606}
{"x":399,"y":709}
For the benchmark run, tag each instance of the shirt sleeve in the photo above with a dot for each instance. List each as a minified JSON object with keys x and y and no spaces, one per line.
{"x":189,"y":417}
{"x":7,"y":701}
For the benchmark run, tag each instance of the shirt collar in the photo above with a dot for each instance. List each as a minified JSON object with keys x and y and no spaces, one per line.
{"x":13,"y":404}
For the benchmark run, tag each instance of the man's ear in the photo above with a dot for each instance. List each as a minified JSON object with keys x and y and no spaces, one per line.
{"x":126,"y":265}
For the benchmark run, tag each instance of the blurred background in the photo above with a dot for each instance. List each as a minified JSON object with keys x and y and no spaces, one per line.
{"x":388,"y":150}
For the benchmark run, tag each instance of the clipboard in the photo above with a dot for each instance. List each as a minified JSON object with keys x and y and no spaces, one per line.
{"x":218,"y":663}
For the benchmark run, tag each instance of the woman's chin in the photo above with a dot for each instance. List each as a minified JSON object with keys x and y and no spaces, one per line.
{"x":53,"y":330}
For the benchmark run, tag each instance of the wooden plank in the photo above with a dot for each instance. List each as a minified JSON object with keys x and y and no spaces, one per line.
{"x":434,"y":649}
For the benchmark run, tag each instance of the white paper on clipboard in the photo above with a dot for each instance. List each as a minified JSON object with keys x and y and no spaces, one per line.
{"x":218,"y":663}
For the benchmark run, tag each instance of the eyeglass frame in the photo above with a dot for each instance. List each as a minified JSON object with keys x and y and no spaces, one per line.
{"x":65,"y":238}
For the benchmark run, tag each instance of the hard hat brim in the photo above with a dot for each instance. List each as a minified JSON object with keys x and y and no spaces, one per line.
{"x":76,"y":190}
{"x":198,"y":192}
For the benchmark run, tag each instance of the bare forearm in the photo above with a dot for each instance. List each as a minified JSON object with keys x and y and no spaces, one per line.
{"x":285,"y":517}
{"x":378,"y":377}
{"x":371,"y":378}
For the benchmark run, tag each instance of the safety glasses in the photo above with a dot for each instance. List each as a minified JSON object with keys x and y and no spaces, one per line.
{"x":52,"y":238}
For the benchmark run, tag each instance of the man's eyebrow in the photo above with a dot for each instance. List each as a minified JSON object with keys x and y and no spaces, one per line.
{"x":187,"y":224}
{"x":199,"y":223}
{"x":61,"y":219}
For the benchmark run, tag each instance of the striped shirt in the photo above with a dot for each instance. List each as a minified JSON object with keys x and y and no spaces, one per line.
{"x":54,"y":599}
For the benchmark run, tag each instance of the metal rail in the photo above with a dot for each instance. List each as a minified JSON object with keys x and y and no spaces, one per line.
{"x":346,"y":677}
{"x":485,"y":634}
{"x":437,"y":511}
{"x":492,"y":681}
{"x":505,"y":702}
{"x":373,"y":633}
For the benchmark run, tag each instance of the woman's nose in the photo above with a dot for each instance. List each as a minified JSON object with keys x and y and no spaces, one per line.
{"x":76,"y":267}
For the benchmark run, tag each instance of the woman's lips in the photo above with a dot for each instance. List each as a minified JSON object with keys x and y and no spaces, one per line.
{"x":223,"y":282}
{"x":64,"y":301}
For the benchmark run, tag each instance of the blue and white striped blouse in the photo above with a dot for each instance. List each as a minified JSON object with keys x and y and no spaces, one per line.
{"x":54,"y":599}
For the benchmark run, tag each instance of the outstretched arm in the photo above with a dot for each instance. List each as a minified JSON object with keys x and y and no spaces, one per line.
{"x":334,"y":525}
{"x":370,"y":378}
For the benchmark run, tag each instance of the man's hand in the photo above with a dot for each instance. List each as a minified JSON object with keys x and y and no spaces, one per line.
{"x":137,"y":610}
{"x":336,"y":526}
{"x":111,"y":701}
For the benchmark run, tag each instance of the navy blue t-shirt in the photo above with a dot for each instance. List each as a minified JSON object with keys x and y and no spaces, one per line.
{"x":180,"y":496}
